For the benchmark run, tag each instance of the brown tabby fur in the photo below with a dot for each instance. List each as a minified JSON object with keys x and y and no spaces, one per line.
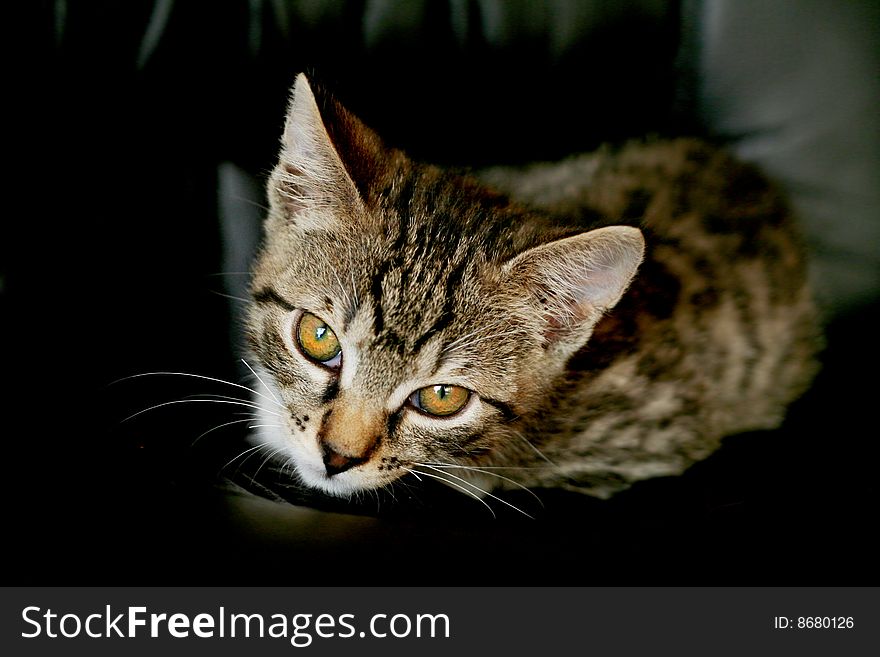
{"x":509,"y":286}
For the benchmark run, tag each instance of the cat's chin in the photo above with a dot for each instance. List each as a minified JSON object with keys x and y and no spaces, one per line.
{"x":344,"y":484}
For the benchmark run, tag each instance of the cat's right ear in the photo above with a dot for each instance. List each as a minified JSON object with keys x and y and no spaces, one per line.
{"x":572,"y":281}
{"x":312,"y":186}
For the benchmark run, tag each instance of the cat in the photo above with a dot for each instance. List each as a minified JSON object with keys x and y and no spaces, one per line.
{"x":581,"y":325}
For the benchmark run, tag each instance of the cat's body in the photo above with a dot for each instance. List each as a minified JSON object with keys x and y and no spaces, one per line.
{"x":715,"y":335}
{"x":513,"y":311}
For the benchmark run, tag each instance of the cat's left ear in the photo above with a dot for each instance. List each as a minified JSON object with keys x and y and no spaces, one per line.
{"x":328,"y":159}
{"x":572,"y":281}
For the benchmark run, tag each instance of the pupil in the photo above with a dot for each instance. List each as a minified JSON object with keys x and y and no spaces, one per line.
{"x":320,"y":332}
{"x":442,"y":392}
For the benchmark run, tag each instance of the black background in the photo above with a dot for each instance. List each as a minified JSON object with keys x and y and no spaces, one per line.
{"x":109,"y":264}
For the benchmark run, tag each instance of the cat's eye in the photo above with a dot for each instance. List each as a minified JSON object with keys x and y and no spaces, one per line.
{"x":440,"y":400}
{"x":317,"y":341}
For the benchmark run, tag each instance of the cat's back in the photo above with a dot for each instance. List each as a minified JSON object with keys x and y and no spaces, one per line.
{"x":717,"y":333}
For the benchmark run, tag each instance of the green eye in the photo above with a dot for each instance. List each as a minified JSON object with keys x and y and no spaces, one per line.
{"x":440,"y":400}
{"x":317,"y":341}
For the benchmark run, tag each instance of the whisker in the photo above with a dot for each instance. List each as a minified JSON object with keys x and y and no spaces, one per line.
{"x":250,"y":404}
{"x":375,"y":494}
{"x":248,"y":458}
{"x":234,"y":459}
{"x":244,"y":199}
{"x":491,"y":474}
{"x":279,"y":470}
{"x":268,"y":389}
{"x":190,"y":401}
{"x":204,"y":378}
{"x":536,"y":450}
{"x":452,"y":483}
{"x":219,"y":426}
{"x":485,"y":492}
{"x":271,"y":455}
{"x":288,"y":464}
{"x":230,"y":296}
{"x":390,"y":486}
{"x":497,"y":467}
{"x":214,"y":395}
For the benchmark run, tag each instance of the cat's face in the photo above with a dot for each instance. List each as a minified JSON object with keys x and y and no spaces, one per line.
{"x":403,"y":317}
{"x":366,"y":401}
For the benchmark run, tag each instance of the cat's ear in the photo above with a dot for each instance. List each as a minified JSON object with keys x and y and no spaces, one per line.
{"x":326,"y":158}
{"x":570,"y":282}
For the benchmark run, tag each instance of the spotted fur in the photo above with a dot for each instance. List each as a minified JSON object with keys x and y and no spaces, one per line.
{"x":614,"y":315}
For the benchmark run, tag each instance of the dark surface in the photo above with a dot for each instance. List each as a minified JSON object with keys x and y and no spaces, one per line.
{"x":110,"y":273}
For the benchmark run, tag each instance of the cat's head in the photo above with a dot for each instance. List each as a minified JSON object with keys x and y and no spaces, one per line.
{"x":404,"y":314}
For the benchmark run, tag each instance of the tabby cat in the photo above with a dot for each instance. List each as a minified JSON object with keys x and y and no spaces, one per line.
{"x":581,"y":325}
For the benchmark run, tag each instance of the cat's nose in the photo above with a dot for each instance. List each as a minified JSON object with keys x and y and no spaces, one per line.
{"x":335,"y":462}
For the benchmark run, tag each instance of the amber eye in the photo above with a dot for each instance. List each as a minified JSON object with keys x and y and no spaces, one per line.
{"x":440,"y":400}
{"x":317,"y":341}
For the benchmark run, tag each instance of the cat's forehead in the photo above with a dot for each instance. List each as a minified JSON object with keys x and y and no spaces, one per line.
{"x":422,"y":240}
{"x":411,"y":281}
{"x":399,"y":302}
{"x":408,"y":294}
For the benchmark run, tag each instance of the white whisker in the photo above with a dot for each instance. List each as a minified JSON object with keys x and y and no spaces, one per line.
{"x":271,"y":455}
{"x":192,"y":401}
{"x":485,"y":492}
{"x":219,"y":426}
{"x":268,"y":389}
{"x":485,"y":472}
{"x":213,"y":395}
{"x":204,"y":378}
{"x":288,"y":464}
{"x":249,"y":449}
{"x":250,"y":403}
{"x":249,"y":201}
{"x":496,"y":467}
{"x":230,"y":296}
{"x":452,"y":483}
{"x":536,"y":450}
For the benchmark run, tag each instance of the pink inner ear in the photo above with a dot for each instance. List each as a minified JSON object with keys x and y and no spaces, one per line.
{"x":294,"y":188}
{"x":561,"y":312}
{"x":602,"y":286}
{"x":553,"y":328}
{"x":576,"y":279}
{"x":557,"y":326}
